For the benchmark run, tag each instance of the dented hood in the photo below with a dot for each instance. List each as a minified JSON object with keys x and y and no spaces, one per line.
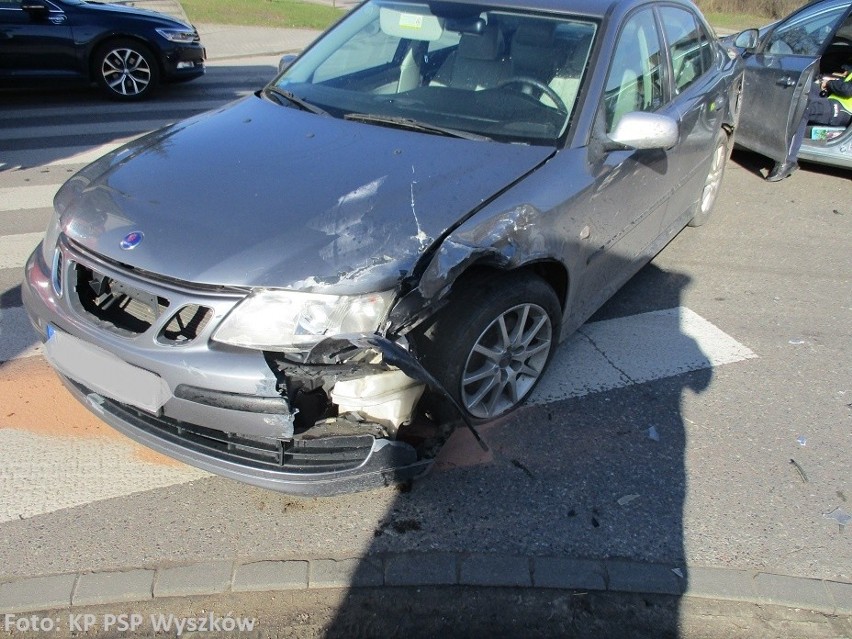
{"x":257,"y":194}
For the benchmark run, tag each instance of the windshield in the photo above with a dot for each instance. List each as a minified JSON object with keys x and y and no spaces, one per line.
{"x":447,"y":68}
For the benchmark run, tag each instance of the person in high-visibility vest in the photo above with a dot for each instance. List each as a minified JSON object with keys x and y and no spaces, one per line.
{"x":829,"y":103}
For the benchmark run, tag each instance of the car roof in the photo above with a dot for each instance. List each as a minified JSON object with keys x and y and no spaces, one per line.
{"x":597,"y":8}
{"x":591,"y":8}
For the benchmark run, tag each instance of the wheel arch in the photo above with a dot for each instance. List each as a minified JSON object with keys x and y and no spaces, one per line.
{"x":480,"y":295}
{"x":416,"y":309}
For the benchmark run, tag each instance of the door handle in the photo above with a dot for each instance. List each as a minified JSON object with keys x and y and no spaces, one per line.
{"x":786,"y":82}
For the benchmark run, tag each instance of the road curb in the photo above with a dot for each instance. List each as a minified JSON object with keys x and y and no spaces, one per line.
{"x":76,"y":590}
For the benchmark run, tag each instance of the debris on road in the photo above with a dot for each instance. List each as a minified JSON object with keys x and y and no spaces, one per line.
{"x":839,"y":515}
{"x":801,"y":470}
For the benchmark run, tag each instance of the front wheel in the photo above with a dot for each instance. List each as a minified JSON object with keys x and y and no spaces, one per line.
{"x":713,"y":181}
{"x":490,"y":346}
{"x":126,"y":70}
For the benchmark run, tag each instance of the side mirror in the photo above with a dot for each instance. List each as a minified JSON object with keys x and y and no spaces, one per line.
{"x":286,"y":61}
{"x":747,"y":40}
{"x":639,"y":130}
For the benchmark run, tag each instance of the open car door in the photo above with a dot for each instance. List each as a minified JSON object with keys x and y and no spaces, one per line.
{"x":774,"y":99}
{"x":778,"y":76}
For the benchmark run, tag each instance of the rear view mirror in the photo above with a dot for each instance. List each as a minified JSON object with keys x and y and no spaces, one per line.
{"x":747,"y":39}
{"x":474,"y":25}
{"x":286,"y":61}
{"x":640,"y":130}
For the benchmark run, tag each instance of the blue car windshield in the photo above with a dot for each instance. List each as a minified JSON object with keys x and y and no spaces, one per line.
{"x":500,"y":74}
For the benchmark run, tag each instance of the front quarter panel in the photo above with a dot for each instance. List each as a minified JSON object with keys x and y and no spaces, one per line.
{"x":539,"y":220}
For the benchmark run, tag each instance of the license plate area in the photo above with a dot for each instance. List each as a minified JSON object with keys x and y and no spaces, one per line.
{"x":105,"y":374}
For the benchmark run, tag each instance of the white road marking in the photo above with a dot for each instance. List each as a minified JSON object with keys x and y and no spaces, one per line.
{"x":46,"y":471}
{"x":60,"y":130}
{"x":15,"y":249}
{"x":42,"y":474}
{"x":126,"y":110}
{"x":17,"y":337}
{"x":85,"y":156}
{"x":630,"y":350}
{"x":17,"y":198}
{"x":58,"y":156}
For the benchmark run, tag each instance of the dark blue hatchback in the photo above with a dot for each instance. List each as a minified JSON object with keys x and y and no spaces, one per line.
{"x":128,"y":52}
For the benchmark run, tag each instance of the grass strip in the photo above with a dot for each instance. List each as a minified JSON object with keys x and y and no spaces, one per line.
{"x":290,"y":14}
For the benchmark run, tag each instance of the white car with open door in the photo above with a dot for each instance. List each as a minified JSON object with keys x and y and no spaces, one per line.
{"x":782,"y":60}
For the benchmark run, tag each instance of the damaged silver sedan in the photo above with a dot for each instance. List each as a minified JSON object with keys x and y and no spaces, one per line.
{"x":307,"y":288}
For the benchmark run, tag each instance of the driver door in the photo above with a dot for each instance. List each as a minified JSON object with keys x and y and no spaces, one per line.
{"x":778,"y":77}
{"x":35,"y":39}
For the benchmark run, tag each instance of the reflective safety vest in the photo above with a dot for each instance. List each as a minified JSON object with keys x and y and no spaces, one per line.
{"x":846,"y":103}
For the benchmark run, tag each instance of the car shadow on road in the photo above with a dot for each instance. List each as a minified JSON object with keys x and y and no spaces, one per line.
{"x":11,"y":297}
{"x":582,"y":499}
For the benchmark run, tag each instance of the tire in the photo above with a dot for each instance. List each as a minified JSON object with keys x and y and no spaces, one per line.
{"x":126,"y":70}
{"x":713,"y":182}
{"x":475,"y":350}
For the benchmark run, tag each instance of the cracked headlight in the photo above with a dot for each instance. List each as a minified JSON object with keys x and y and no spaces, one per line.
{"x":292,"y":321}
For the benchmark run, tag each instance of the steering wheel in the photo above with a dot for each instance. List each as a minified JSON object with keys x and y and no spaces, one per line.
{"x":541,"y":86}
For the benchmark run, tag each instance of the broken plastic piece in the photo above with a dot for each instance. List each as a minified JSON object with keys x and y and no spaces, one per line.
{"x":839,"y":515}
{"x":797,"y":342}
{"x":802,"y":440}
{"x":387,"y":398}
{"x":678,"y":572}
{"x":623,"y":501}
{"x":653,"y":434}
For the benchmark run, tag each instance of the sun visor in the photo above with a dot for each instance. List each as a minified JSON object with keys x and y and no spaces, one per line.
{"x":410,"y":25}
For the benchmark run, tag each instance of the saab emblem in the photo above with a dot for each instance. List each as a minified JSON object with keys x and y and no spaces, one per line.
{"x":132,"y":240}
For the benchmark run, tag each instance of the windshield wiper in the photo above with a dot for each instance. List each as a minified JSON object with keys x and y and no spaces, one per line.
{"x":295,"y":99}
{"x":414,"y":125}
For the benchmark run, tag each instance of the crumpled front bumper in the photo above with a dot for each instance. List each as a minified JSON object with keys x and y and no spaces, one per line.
{"x":310,"y":467}
{"x":221,"y":410}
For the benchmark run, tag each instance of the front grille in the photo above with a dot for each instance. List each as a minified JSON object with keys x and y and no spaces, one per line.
{"x":129,"y":310}
{"x":186,"y":324}
{"x":116,"y":304}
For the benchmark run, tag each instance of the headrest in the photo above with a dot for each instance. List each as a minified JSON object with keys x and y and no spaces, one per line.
{"x":533,"y":51}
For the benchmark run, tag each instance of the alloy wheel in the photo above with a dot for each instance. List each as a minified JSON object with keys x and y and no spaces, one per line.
{"x":126,"y":71}
{"x":506,"y":361}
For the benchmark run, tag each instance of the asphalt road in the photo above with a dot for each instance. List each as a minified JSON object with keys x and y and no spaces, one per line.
{"x":689,"y":469}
